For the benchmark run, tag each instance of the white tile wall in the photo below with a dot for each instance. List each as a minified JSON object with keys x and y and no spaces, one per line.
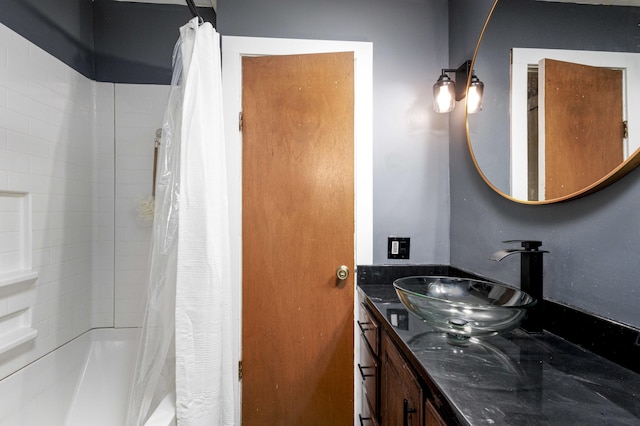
{"x":103,"y":273}
{"x":47,"y":149}
{"x":14,"y":215}
{"x":139,"y":112}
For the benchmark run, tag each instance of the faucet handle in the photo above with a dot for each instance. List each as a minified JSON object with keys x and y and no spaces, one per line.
{"x":530,"y":245}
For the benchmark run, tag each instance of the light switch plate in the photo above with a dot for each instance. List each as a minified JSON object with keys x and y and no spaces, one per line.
{"x":398,"y":247}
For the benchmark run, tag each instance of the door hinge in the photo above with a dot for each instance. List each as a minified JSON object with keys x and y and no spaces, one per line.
{"x":625,"y":129}
{"x":240,"y":121}
{"x":239,"y":370}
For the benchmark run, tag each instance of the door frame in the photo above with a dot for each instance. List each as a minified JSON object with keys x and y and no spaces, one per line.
{"x":233,"y":49}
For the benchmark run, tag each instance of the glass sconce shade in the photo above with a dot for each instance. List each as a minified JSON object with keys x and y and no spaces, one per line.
{"x":474,"y":95}
{"x":444,"y":95}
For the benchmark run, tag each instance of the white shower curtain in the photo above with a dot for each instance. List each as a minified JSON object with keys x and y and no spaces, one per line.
{"x":186,"y":343}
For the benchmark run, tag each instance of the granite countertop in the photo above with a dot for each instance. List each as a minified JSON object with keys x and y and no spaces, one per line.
{"x":512,"y":379}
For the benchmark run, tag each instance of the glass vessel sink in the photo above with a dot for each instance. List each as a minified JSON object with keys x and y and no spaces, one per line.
{"x":464,"y":307}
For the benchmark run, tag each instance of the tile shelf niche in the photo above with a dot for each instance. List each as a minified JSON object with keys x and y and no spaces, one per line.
{"x":17,"y":279}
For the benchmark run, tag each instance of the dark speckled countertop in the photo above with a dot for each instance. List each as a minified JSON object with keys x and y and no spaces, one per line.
{"x":512,"y":379}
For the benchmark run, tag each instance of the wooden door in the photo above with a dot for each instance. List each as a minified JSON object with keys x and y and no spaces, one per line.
{"x":583,"y":125}
{"x":298,"y":227}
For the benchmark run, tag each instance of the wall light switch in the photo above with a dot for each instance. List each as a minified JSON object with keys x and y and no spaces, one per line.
{"x":398,"y":247}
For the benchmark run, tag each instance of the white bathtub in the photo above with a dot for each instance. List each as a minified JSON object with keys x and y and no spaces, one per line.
{"x":84,"y":382}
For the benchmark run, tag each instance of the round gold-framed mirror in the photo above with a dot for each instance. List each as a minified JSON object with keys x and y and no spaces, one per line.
{"x":548,"y":133}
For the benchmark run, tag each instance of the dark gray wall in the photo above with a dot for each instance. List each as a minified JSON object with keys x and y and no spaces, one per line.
{"x":63,"y":28}
{"x":411,"y":191}
{"x":105,"y":40}
{"x":594,"y":242}
{"x":134,"y":41}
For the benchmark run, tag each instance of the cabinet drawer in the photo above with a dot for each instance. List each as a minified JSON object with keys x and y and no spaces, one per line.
{"x":369,"y":329}
{"x":369,"y":368}
{"x":367,"y":415}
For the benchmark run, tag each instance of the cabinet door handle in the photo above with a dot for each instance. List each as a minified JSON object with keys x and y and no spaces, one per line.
{"x":405,"y":412}
{"x":362,"y":373}
{"x":363,"y":327}
{"x":363,"y":419}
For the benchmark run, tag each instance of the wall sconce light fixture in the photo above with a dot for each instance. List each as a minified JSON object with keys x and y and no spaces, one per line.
{"x":446,"y":92}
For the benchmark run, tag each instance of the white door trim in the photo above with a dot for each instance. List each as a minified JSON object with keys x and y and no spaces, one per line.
{"x":233,"y":48}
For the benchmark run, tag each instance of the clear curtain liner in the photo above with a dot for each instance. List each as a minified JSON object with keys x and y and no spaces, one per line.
{"x":154,"y":375}
{"x":204,"y":367}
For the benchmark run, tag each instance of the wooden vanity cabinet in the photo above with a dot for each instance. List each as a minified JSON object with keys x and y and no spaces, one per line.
{"x":392,"y":392}
{"x":369,"y":368}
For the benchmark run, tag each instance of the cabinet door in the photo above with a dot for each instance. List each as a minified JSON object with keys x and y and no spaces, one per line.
{"x":431,"y":415}
{"x":401,"y":395}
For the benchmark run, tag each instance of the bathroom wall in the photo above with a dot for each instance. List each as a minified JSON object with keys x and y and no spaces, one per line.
{"x":48,"y":149}
{"x":134,"y":41}
{"x":139,"y":111}
{"x":63,"y":28}
{"x":103,"y":230}
{"x":410,"y":153}
{"x":594,"y":242}
{"x":127,"y":117}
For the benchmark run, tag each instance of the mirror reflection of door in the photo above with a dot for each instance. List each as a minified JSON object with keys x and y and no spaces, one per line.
{"x":581,"y":130}
{"x":525,"y":62}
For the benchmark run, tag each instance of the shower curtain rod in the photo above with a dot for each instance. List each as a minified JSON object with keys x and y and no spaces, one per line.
{"x":194,"y":10}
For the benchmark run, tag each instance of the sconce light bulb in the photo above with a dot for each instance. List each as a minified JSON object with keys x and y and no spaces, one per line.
{"x":443,"y":100}
{"x":444,"y":95}
{"x":474,"y":95}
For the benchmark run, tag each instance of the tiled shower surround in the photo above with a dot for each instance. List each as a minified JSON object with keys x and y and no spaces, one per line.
{"x":139,"y":110}
{"x":84,"y":152}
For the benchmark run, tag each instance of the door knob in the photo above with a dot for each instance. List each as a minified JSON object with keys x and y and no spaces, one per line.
{"x":342,"y":272}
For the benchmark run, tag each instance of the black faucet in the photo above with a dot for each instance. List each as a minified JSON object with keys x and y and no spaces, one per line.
{"x":530,"y":279}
